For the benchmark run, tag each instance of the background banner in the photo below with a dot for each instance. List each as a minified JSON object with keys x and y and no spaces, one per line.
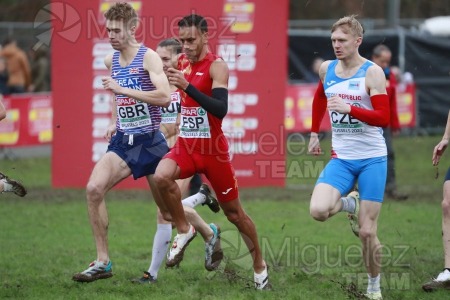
{"x":28,"y":120}
{"x":240,"y":31}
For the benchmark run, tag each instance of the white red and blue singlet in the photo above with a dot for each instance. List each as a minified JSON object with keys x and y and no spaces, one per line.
{"x":134,"y":116}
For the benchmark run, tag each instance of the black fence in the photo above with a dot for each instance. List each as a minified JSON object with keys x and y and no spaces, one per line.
{"x":426,"y":57}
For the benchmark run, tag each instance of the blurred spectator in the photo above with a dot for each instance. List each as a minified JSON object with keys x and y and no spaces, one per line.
{"x":40,"y":67}
{"x":315,"y":66}
{"x":403,"y":79}
{"x":2,"y":109}
{"x":382,"y":55}
{"x":3,"y":77}
{"x":17,"y":65}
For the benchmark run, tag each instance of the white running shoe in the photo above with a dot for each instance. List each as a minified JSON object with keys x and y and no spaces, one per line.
{"x":262,"y":280}
{"x":374,"y":296}
{"x":443,"y":276}
{"x":180,"y":242}
{"x":97,"y":270}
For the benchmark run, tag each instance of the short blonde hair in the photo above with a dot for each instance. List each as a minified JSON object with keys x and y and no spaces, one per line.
{"x":352,"y":24}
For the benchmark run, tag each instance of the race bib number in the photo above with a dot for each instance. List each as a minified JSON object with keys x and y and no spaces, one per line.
{"x":345,"y":124}
{"x":169,"y":114}
{"x":194,"y":123}
{"x":132,"y":113}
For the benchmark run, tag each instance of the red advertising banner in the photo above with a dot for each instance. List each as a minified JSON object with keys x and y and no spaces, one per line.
{"x":298,"y":108}
{"x":28,"y":120}
{"x":239,"y":31}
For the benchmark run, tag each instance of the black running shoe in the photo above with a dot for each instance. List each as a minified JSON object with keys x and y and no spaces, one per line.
{"x":210,"y":200}
{"x":145,"y":279}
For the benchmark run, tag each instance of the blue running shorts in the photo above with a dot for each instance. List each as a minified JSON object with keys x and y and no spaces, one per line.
{"x":370,"y":173}
{"x":141,"y":152}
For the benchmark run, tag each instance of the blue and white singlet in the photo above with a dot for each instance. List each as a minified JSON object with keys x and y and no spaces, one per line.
{"x":351,"y":138}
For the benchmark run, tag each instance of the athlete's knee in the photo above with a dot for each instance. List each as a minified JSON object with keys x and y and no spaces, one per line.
{"x":446,"y":207}
{"x":318,"y":214}
{"x":235,"y":215}
{"x":367,"y":234}
{"x":161,"y":180}
{"x":94,"y":191}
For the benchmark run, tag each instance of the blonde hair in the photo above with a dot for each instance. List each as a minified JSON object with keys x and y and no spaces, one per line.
{"x":352,"y":24}
{"x":122,"y":11}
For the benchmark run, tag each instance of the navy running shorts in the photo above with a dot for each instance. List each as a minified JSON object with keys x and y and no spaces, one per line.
{"x":447,"y":176}
{"x":141,"y":152}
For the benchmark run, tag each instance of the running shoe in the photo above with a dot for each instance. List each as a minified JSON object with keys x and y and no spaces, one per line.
{"x":262,"y":280}
{"x":353,"y":218}
{"x":145,"y":279}
{"x":179,"y":245}
{"x":210,"y":200}
{"x":10,"y":185}
{"x":441,"y":282}
{"x":374,"y":296}
{"x":214,"y":253}
{"x":96,"y":270}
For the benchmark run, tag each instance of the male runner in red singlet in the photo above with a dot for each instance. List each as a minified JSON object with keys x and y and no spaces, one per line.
{"x":169,"y":50}
{"x":202,"y":147}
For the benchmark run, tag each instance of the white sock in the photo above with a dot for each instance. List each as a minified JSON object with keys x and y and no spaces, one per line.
{"x":348,"y":204}
{"x":194,"y":200}
{"x":161,"y":243}
{"x":374,"y":284}
{"x":7,"y":187}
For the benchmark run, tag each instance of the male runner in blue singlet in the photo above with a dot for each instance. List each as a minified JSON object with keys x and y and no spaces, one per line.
{"x":135,"y":143}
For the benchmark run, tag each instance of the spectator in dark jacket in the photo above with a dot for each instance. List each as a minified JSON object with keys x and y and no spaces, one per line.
{"x":382,"y":55}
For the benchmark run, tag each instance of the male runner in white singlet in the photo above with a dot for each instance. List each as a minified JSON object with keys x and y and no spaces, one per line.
{"x":354,"y":91}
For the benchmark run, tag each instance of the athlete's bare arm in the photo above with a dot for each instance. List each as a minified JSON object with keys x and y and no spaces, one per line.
{"x":376,"y":88}
{"x":158,"y":97}
{"x":375,"y":81}
{"x":440,"y":148}
{"x":219,"y":74}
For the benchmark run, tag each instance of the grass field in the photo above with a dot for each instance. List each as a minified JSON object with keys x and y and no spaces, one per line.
{"x":45,"y":238}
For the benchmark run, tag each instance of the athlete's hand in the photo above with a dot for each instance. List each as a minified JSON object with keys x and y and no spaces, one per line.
{"x":314,"y":145}
{"x":439,"y":150}
{"x":336,"y":103}
{"x":110,"y":84}
{"x":177,"y":79}
{"x":110,"y":132}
